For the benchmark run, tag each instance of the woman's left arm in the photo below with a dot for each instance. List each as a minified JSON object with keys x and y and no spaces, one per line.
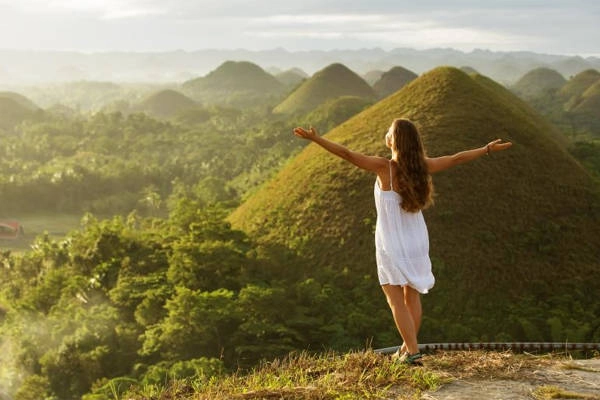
{"x":438,"y":164}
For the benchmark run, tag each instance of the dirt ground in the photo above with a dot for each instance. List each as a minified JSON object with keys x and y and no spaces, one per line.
{"x":555,"y":379}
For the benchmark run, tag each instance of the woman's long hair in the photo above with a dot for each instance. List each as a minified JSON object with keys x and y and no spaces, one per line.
{"x":412,"y":177}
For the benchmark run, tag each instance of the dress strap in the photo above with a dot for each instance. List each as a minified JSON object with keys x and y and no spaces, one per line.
{"x":391,"y":186}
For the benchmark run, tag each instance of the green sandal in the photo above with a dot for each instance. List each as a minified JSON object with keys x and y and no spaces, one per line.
{"x":411,"y":359}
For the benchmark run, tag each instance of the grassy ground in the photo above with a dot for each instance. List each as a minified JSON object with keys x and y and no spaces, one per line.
{"x":57,"y":226}
{"x":362,"y":375}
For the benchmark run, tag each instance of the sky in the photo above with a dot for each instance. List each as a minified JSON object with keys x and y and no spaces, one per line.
{"x":543,"y":26}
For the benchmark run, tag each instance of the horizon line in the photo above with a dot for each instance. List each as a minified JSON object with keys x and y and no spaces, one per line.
{"x":281,"y":48}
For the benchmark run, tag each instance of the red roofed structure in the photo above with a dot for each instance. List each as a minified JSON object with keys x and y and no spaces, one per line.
{"x":11,"y":230}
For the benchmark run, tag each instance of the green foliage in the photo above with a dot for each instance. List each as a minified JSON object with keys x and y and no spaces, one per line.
{"x":112,"y":164}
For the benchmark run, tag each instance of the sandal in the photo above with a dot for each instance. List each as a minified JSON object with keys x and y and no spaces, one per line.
{"x":411,"y":359}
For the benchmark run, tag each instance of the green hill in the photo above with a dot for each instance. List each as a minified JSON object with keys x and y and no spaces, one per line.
{"x":393,"y":80}
{"x":234,"y":83}
{"x":333,"y":81}
{"x":13,"y":111}
{"x":538,"y":82}
{"x":513,"y":236}
{"x":20,"y":99}
{"x":373,"y":76}
{"x":165,"y":104}
{"x":291,"y":77}
{"x":468,"y":70}
{"x":590,"y":101}
{"x":579,"y":84}
{"x":335,"y":111}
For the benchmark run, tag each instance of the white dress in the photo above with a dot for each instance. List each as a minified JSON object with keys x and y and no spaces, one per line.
{"x":401,"y":243}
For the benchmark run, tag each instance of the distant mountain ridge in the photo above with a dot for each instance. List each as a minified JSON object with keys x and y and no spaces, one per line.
{"x":31,"y":67}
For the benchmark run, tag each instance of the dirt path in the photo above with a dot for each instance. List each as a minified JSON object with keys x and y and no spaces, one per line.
{"x":577,"y":379}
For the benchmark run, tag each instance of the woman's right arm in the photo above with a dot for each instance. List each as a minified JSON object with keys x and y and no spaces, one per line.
{"x":369,"y":163}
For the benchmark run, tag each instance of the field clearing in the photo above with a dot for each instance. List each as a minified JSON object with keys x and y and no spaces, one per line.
{"x":56,"y":225}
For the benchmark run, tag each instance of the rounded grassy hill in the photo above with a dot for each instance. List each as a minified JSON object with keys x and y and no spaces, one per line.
{"x":393,"y":80}
{"x":333,"y":81}
{"x":15,"y":110}
{"x":335,"y":111}
{"x":579,"y":84}
{"x":20,"y":99}
{"x":468,"y":70}
{"x":234,"y":82}
{"x":165,"y":103}
{"x":512,"y":235}
{"x":291,"y":77}
{"x":538,"y":82}
{"x":373,"y":76}
{"x":590,"y":101}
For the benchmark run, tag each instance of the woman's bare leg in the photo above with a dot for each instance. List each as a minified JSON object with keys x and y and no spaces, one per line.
{"x":412,"y":299}
{"x":402,"y":316}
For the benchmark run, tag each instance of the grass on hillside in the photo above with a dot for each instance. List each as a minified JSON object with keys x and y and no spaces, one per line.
{"x":357,"y":375}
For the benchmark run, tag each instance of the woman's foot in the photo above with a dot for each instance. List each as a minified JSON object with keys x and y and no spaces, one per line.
{"x":413,"y":359}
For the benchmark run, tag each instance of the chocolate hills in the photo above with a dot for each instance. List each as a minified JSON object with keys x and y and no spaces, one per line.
{"x":579,"y":84}
{"x":590,"y":101}
{"x":393,"y":80}
{"x":538,"y":82}
{"x":165,"y":104}
{"x":373,"y":76}
{"x":335,"y":111}
{"x":234,"y":83}
{"x":20,"y":99}
{"x":15,"y":108}
{"x":513,"y":235}
{"x":291,"y":77}
{"x":333,"y":81}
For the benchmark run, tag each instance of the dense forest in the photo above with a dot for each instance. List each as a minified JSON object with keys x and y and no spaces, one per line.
{"x":157,"y":283}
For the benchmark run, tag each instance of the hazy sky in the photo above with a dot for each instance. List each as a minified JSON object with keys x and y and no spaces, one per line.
{"x":546,"y":26}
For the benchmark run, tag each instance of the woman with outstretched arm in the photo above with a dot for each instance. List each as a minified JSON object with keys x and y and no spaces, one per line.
{"x":403,"y":188}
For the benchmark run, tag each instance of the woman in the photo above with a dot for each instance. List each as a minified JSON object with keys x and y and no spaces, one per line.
{"x":402,"y":189}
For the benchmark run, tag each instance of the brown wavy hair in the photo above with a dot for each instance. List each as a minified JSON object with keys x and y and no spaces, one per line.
{"x":412,"y":176}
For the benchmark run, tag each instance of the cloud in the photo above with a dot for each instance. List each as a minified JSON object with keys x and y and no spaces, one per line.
{"x":388,"y":30}
{"x":548,"y":26}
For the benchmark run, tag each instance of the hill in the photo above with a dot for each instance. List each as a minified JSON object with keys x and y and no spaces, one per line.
{"x":335,"y":111}
{"x":235,"y":83}
{"x":291,"y":77}
{"x":579,"y":84}
{"x":468,"y":70}
{"x":590,"y":101}
{"x":333,"y":81}
{"x":505,"y":227}
{"x":20,"y":99}
{"x":12,"y":112}
{"x":393,"y":80}
{"x":373,"y":76}
{"x":165,"y":104}
{"x":538,"y":82}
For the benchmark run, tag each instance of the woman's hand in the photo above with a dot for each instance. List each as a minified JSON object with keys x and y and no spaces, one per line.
{"x":306,"y":134}
{"x":495,"y":145}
